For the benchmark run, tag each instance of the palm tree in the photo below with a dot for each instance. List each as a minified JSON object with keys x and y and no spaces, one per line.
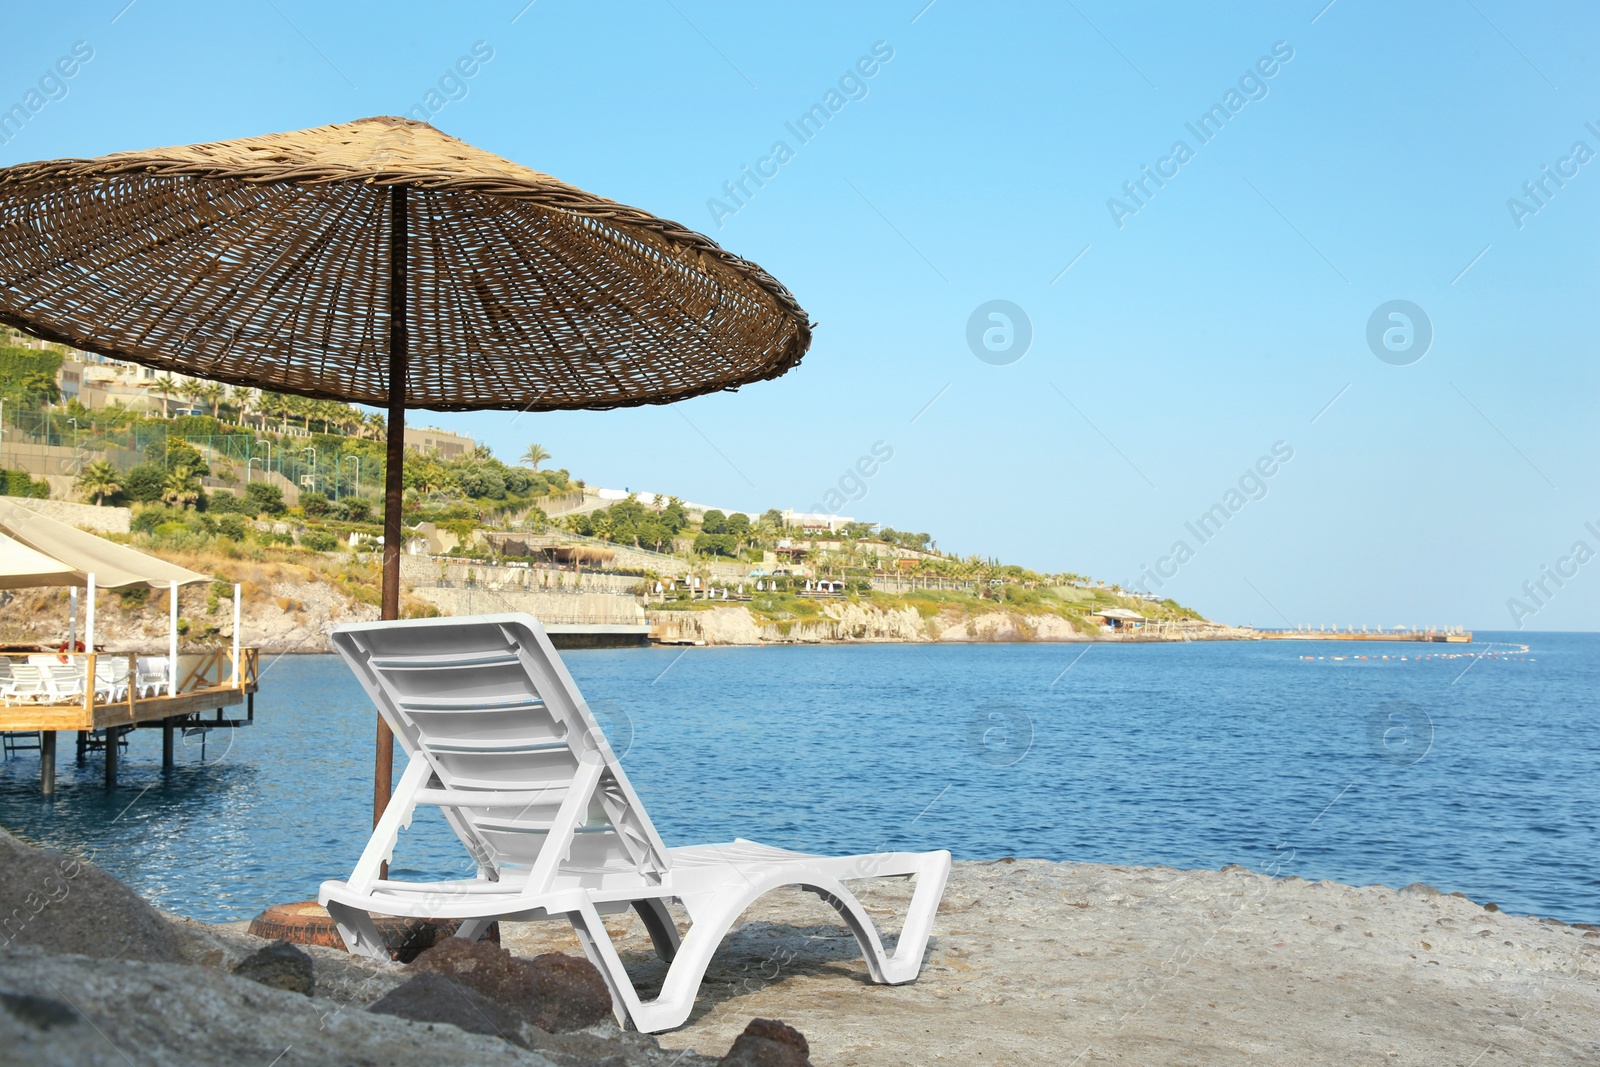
{"x":213,"y":394}
{"x":182,"y":488}
{"x":164,"y":387}
{"x":300,"y":406}
{"x":192,"y":389}
{"x":376,"y":424}
{"x":245,"y":400}
{"x":534,"y":456}
{"x":275,"y":405}
{"x":98,"y":482}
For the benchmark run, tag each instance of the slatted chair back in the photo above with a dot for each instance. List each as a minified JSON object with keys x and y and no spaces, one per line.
{"x":28,"y":682}
{"x":111,"y":677}
{"x":518,"y":763}
{"x":152,"y":677}
{"x":64,"y":680}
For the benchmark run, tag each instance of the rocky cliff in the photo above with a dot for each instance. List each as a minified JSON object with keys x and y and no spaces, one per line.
{"x":846,"y":621}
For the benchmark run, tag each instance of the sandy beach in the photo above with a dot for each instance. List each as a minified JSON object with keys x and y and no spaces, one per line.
{"x":1034,"y":962}
{"x":1031,"y":962}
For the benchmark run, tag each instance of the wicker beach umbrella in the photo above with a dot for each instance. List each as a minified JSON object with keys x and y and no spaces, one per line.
{"x":382,"y":262}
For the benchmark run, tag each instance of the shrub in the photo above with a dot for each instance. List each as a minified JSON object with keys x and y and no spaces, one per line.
{"x":264,"y":499}
{"x":314,"y":505}
{"x":319,"y":541}
{"x":227,"y":503}
{"x":174,"y":451}
{"x":18,"y":483}
{"x":482,"y":481}
{"x":232,"y":527}
{"x":143,"y":484}
{"x":716,"y":544}
{"x":357,"y":510}
{"x":147,"y":518}
{"x":519,"y":481}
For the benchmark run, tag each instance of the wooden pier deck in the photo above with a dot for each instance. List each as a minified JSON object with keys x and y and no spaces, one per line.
{"x":206,"y":681}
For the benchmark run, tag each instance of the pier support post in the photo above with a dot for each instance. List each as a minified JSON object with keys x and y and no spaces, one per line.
{"x":47,"y":763}
{"x":83,"y":745}
{"x":166,"y":746}
{"x":111,"y":757}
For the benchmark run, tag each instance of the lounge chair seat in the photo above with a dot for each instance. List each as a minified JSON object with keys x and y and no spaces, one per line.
{"x":500,"y":739}
{"x":28,"y":684}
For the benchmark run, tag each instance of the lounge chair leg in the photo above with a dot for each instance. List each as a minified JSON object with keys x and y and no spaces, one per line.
{"x":604,"y":959}
{"x":658,"y":923}
{"x":360,"y":933}
{"x":473,"y":929}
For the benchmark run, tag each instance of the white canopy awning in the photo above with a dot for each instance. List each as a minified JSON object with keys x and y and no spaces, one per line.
{"x":24,"y":568}
{"x":114,"y":566}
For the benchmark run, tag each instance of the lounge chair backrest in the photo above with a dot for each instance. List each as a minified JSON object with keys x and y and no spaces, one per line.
{"x":65,"y":679}
{"x":489,"y":705}
{"x":28,"y":679}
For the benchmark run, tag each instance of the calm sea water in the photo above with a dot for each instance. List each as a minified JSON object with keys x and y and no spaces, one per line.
{"x":1471,"y":768}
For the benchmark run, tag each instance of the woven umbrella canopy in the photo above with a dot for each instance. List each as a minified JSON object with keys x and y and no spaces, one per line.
{"x":382,"y":262}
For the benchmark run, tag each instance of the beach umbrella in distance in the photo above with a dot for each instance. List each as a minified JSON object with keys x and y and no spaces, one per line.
{"x":382,"y":262}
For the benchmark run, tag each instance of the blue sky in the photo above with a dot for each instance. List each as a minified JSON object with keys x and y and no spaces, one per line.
{"x":1169,"y":355}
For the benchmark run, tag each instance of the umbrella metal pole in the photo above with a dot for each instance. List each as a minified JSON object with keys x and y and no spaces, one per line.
{"x":394,"y":470}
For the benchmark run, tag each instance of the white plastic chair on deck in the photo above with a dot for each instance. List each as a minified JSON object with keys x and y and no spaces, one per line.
{"x":152,"y":676}
{"x":111,"y":679}
{"x":500,"y":739}
{"x":65,"y":680}
{"x":28,"y":683}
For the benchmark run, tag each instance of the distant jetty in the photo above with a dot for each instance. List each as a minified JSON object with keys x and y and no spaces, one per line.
{"x":1452,"y":635}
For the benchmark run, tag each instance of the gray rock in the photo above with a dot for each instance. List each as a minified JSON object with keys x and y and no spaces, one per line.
{"x":553,"y":991}
{"x":337,"y":975}
{"x":435,"y":997}
{"x":63,"y":904}
{"x":280,"y":965}
{"x":768,"y":1043}
{"x":568,"y":993}
{"x":41,"y":1012}
{"x":604,"y":1045}
{"x":178,"y":1015}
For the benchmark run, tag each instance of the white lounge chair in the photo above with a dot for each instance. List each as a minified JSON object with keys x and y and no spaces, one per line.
{"x":111,"y":679}
{"x":28,"y":684}
{"x":152,"y":676}
{"x":500,"y":739}
{"x":64,"y":681}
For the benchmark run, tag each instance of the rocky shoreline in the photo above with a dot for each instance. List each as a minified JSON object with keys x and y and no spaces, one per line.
{"x":289,"y":613}
{"x":844,"y":622}
{"x":1031,"y":962}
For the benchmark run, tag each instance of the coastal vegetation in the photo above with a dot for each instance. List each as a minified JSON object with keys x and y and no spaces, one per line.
{"x":245,"y":474}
